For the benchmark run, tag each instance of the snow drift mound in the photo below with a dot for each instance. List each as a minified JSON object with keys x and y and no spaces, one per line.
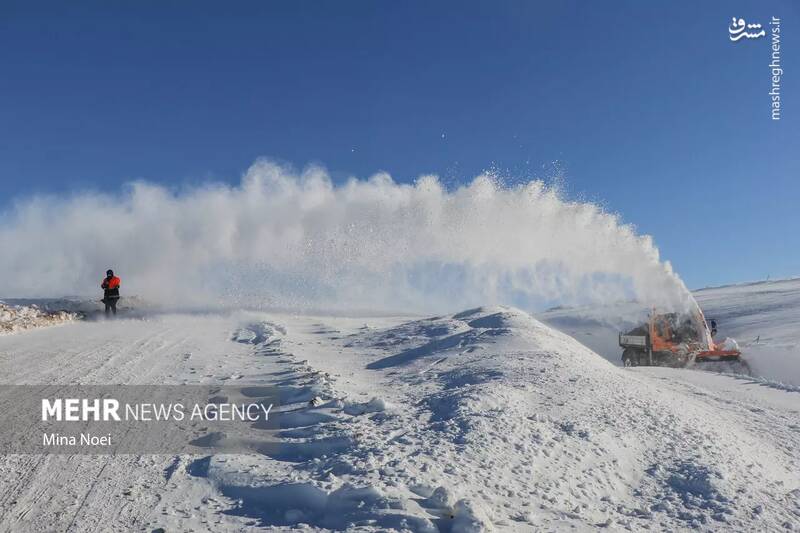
{"x":533,"y":430}
{"x":86,"y":308}
{"x":14,"y":318}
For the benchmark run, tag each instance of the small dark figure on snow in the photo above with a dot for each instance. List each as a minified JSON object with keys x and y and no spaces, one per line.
{"x":110,"y":288}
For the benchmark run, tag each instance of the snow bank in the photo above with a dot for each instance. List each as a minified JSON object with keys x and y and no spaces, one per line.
{"x":14,"y":318}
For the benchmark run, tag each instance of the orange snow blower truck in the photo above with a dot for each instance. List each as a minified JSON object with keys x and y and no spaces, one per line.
{"x":672,"y":339}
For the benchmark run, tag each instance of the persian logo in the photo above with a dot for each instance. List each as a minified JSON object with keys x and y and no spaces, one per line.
{"x":739,"y":29}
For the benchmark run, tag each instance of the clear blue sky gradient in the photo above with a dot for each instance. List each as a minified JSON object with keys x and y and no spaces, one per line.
{"x":647,"y":107}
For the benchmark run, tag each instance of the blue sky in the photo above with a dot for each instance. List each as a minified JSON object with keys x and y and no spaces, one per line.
{"x":646,"y":107}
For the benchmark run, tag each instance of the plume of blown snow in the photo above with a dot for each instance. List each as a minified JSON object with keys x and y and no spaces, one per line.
{"x":283,"y":238}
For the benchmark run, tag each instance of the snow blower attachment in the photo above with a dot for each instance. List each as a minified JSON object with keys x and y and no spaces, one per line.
{"x":676,"y":340}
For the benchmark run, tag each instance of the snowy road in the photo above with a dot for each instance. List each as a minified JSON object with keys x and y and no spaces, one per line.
{"x":104,"y":493}
{"x":484,"y":419}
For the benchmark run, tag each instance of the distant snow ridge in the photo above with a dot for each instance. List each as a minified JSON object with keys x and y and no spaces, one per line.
{"x":14,"y":318}
{"x":764,"y":318}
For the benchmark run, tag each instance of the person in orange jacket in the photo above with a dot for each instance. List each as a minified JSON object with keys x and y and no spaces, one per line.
{"x":110,"y":288}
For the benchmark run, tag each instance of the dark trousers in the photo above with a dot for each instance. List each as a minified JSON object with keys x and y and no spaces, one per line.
{"x":111,"y":305}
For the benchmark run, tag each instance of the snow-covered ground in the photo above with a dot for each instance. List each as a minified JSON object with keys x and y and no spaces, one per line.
{"x":485,"y":419}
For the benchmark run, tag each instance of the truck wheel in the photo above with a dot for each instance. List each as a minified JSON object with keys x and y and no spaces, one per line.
{"x":630,"y":357}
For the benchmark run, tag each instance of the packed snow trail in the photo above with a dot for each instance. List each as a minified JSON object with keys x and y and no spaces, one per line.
{"x":485,"y":419}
